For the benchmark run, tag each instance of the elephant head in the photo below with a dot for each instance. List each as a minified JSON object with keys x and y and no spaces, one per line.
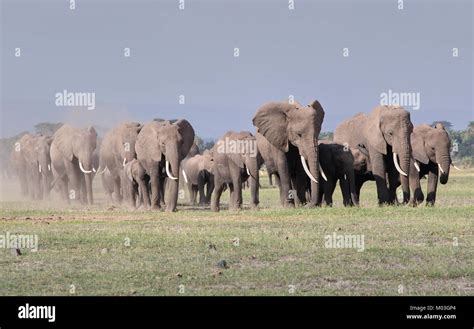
{"x":283,"y":124}
{"x":391,"y":126}
{"x":432,"y":144}
{"x":208,"y":162}
{"x":77,"y":146}
{"x":126,"y":138}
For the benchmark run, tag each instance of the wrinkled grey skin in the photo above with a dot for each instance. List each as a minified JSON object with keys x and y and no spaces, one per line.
{"x":384,"y":131}
{"x":338,"y":163}
{"x":138,"y":180}
{"x":158,"y":142}
{"x":31,"y":160}
{"x":72,"y":148}
{"x":430,"y":147}
{"x":117,"y":149}
{"x":292,"y":130}
{"x":198,"y":170}
{"x":230,"y":168}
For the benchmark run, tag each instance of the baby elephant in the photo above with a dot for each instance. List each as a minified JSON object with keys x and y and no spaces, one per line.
{"x":197,"y":174}
{"x":338,"y":163}
{"x":139,"y":180}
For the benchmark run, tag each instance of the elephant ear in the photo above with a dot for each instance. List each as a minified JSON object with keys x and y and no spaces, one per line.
{"x":63,"y":142}
{"x":146,"y":145}
{"x":418,"y":147}
{"x":187,"y":133}
{"x":271,"y":121}
{"x":372,"y":132}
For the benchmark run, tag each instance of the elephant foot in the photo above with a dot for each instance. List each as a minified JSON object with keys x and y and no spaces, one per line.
{"x":215,"y":209}
{"x":155,"y":207}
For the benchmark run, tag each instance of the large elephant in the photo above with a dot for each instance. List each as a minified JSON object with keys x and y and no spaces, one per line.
{"x":72,"y":160}
{"x":287,"y":137}
{"x":161,"y":146}
{"x":385,"y":132}
{"x":431,"y":156}
{"x":197,"y":173}
{"x":31,"y":160}
{"x":236,"y":159}
{"x":118,"y":148}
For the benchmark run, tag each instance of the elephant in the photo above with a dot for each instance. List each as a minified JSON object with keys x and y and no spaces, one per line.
{"x":138,"y":180}
{"x":431,"y":156}
{"x":236,"y":159}
{"x":197,"y":173}
{"x":287,"y":137}
{"x":72,"y":157}
{"x":30,"y":157}
{"x":118,"y":148}
{"x":385,"y":132}
{"x":161,"y":146}
{"x":340,"y":163}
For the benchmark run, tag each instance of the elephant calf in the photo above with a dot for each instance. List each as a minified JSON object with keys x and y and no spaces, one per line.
{"x":139,"y":182}
{"x":338,"y":163}
{"x":197,"y":174}
{"x":236,"y":159}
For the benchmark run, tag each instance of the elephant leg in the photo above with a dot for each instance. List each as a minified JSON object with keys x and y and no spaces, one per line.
{"x":143,"y":185}
{"x":345,"y":191}
{"x":82,"y":180}
{"x":329,"y":187}
{"x":415,"y":186}
{"x":190,"y":192}
{"x":237,"y":188}
{"x":379,"y":172}
{"x":299,"y":185}
{"x":117,"y":193}
{"x":393,"y":182}
{"x":209,"y":189}
{"x":155,"y":190}
{"x":288,"y":199}
{"x":200,"y":186}
{"x":195,"y":194}
{"x":432,"y":186}
{"x":74,"y":182}
{"x":216,"y":195}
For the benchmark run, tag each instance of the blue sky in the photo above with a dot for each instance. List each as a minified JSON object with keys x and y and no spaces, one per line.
{"x":190,"y":52}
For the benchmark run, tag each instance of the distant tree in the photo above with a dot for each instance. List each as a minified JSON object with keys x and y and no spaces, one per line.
{"x":326,"y":135}
{"x":47,"y":128}
{"x":208,"y":145}
{"x":199,"y":142}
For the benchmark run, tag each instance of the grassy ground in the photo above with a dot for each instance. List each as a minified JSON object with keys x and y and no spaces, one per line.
{"x":104,"y":250}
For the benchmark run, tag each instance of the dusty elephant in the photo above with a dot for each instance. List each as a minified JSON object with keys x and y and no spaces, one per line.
{"x":197,"y":173}
{"x":287,"y":137}
{"x":117,"y":149}
{"x":138,"y":181}
{"x":385,"y":132}
{"x":161,"y":146}
{"x":236,"y":159}
{"x":72,"y":160}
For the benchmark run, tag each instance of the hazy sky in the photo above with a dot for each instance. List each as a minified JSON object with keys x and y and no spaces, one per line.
{"x":190,"y":52}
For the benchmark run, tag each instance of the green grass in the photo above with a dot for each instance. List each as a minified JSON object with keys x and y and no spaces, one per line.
{"x":277,"y":249}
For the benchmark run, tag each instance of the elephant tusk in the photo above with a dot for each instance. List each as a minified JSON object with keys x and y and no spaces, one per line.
{"x":395,"y":161}
{"x":83,"y":170}
{"x":306,"y":169}
{"x":442,"y":171}
{"x":93,"y":169}
{"x":248,"y":172}
{"x":39,"y":167}
{"x":49,"y":167}
{"x":322,"y":173}
{"x":168,"y":171}
{"x":417,"y":166}
{"x":454,"y":166}
{"x":124,"y":162}
{"x":184,"y":176}
{"x":103,"y":171}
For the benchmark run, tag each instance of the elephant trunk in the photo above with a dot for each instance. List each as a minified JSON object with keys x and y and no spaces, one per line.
{"x":313,"y":161}
{"x":172,"y":171}
{"x":90,"y":197}
{"x":252,"y":168}
{"x":444,"y":162}
{"x":86,"y":167}
{"x":403,"y":153}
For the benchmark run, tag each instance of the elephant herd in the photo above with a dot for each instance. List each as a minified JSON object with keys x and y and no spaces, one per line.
{"x":143,"y":165}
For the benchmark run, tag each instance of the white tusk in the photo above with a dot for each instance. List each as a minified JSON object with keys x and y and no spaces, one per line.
{"x":83,"y":170}
{"x":184,"y":176}
{"x":93,"y":169}
{"x":248,"y":172}
{"x":395,"y":161}
{"x":305,"y":167}
{"x":442,"y":171}
{"x":455,"y":167}
{"x":168,"y":171}
{"x":39,"y":167}
{"x":49,"y":167}
{"x":103,"y":171}
{"x":417,"y":166}
{"x":322,"y":173}
{"x":124,"y":162}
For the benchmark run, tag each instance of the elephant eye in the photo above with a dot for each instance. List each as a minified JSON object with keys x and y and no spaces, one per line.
{"x":299,"y":135}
